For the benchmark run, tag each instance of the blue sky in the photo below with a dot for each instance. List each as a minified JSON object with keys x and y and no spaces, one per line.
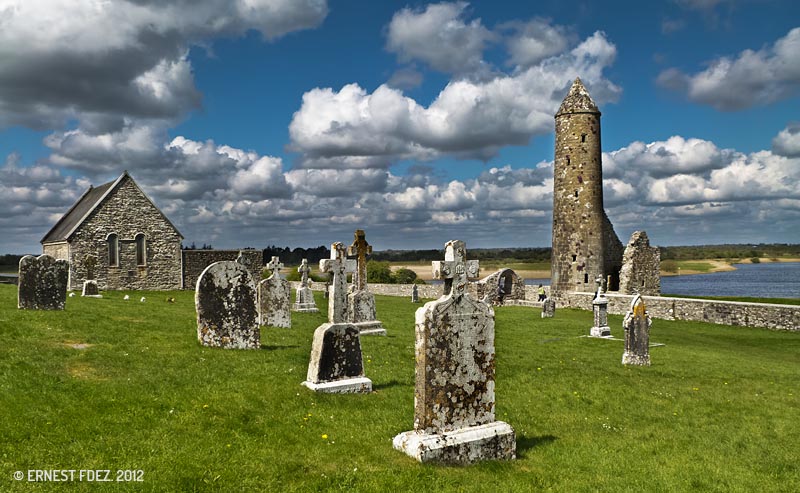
{"x":295,"y":122}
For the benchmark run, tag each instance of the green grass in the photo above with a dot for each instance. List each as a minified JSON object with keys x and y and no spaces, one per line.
{"x":717,"y":411}
{"x":697,"y":266}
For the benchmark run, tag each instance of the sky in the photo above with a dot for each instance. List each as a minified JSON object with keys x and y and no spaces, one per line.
{"x":294,"y":122}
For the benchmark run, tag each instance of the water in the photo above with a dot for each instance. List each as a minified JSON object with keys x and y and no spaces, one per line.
{"x":767,"y":280}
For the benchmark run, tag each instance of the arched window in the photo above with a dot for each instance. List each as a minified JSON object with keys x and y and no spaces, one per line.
{"x":141,"y":251}
{"x":113,"y":250}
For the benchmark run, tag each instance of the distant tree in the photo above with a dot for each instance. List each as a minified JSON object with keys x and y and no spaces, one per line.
{"x":404,"y":276}
{"x":379,"y":272}
{"x":669,"y":266}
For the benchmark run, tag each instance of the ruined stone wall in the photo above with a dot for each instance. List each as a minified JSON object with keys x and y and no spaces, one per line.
{"x":641,"y":267}
{"x":127,"y":212}
{"x":195,"y":261}
{"x":489,"y":285}
{"x":785,"y":317}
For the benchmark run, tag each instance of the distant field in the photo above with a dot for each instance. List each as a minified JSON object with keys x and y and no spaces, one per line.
{"x":524,"y":269}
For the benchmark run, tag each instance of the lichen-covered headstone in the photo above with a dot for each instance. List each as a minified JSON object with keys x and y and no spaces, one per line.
{"x":274,"y":297}
{"x":225,"y":300}
{"x":336,"y":364}
{"x":42,"y":283}
{"x":548,"y":308}
{"x":454,"y":401}
{"x":600,"y":312}
{"x":360,"y":301}
{"x":304,"y":297}
{"x":637,"y":334}
{"x":338,"y":266}
{"x":90,"y":288}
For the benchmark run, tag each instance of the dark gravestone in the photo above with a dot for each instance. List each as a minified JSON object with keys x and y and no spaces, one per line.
{"x":42,"y":283}
{"x":225,"y":300}
{"x":336,"y":364}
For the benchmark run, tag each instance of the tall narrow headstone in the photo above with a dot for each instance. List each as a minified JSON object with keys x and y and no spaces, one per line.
{"x":414,"y":294}
{"x":304,"y":297}
{"x":336,"y":364}
{"x":360,"y":302}
{"x":42,"y":283}
{"x":600,"y":312}
{"x":548,"y":308}
{"x":90,"y":288}
{"x":274,"y":298}
{"x":225,"y":300}
{"x":637,"y":334}
{"x":338,"y":266}
{"x":454,"y":401}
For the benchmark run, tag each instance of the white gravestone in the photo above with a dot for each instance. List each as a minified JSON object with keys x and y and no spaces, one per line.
{"x":360,"y":302}
{"x":338,"y":266}
{"x":274,"y":298}
{"x":600,"y":312}
{"x":225,"y":300}
{"x":454,"y":401}
{"x":304,"y":297}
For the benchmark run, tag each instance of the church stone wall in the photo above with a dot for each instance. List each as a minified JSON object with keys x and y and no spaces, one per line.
{"x":195,"y":261}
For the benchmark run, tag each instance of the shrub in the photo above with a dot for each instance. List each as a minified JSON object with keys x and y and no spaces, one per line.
{"x":404,"y":276}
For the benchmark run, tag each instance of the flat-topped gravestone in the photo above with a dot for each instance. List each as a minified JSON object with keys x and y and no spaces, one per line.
{"x":90,"y":288}
{"x":336,"y":364}
{"x":454,"y":401}
{"x":600,"y":312}
{"x":360,"y":302}
{"x":338,"y":266}
{"x":225,"y":300}
{"x":548,"y":308}
{"x":304,"y":297}
{"x":42,"y":283}
{"x":274,"y":297}
{"x":637,"y":334}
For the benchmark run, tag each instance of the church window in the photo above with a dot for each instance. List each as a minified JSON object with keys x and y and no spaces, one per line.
{"x":113,"y":250}
{"x":141,"y":250}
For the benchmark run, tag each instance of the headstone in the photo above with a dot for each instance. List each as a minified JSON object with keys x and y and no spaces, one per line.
{"x":548,"y":308}
{"x":637,"y":334}
{"x":225,"y":300}
{"x":336,"y":364}
{"x":90,"y":288}
{"x":414,"y":294}
{"x":338,"y":266}
{"x":600,"y":311}
{"x":360,"y":302}
{"x":42,"y":283}
{"x":454,"y":402}
{"x":274,"y":298}
{"x":304,"y":297}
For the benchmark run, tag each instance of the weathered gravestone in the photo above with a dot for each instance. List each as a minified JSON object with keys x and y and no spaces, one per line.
{"x":42,"y":283}
{"x":274,"y":297}
{"x":336,"y":364}
{"x":600,"y":312}
{"x":225,"y":300}
{"x":360,"y":302}
{"x":454,"y":402}
{"x":338,"y":266}
{"x":304,"y":297}
{"x":548,"y":308}
{"x":414,"y":294}
{"x":637,"y":334}
{"x":90,"y":289}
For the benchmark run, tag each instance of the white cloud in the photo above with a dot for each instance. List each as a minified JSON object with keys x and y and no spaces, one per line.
{"x":787,"y":142}
{"x":752,"y":78}
{"x":535,"y":40}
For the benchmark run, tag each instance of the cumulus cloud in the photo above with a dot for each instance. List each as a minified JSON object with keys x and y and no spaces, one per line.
{"x":752,"y":78}
{"x":533,"y":41}
{"x":787,"y":142}
{"x":105,"y":60}
{"x":439,"y":37}
{"x":468,"y":119}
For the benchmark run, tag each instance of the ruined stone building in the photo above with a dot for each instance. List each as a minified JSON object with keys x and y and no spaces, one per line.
{"x":585,"y":245}
{"x":133,"y":244}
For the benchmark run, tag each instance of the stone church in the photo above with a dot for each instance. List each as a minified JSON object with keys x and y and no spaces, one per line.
{"x":117,"y":232}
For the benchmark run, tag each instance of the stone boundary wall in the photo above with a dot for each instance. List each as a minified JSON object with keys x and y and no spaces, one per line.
{"x":433,"y":291}
{"x":195,"y":261}
{"x":781,"y":317}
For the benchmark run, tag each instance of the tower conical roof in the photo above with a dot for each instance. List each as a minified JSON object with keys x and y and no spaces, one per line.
{"x":578,"y":100}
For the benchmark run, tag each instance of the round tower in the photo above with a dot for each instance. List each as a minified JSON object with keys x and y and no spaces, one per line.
{"x":579,"y":220}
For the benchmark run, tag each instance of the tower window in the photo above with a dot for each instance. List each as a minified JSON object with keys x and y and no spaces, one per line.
{"x":576,"y":194}
{"x":586,"y":278}
{"x":574,"y":258}
{"x":583,"y":137}
{"x":567,"y":160}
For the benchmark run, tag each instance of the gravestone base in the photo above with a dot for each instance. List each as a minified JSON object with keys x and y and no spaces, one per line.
{"x":635,"y":359}
{"x":305,"y":308}
{"x":493,"y":441}
{"x":304,"y":301}
{"x":357,"y":385}
{"x":371,"y":328}
{"x":604,"y":331}
{"x":90,"y":290}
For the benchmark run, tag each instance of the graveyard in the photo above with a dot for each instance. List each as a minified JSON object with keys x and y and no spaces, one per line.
{"x":110,"y":383}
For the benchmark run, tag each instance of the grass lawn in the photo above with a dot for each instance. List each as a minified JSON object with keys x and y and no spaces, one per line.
{"x":113,"y":384}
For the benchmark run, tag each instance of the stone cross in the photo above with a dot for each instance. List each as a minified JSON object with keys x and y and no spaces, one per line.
{"x":454,"y":399}
{"x":360,"y":249}
{"x":90,"y":261}
{"x":637,"y":334}
{"x":339,"y":266}
{"x":275,"y":265}
{"x":600,"y":312}
{"x":455,"y":269}
{"x":304,"y":269}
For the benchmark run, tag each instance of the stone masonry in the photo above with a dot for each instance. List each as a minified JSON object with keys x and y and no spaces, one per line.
{"x":641,"y":267}
{"x":195,"y":261}
{"x":584,"y":243}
